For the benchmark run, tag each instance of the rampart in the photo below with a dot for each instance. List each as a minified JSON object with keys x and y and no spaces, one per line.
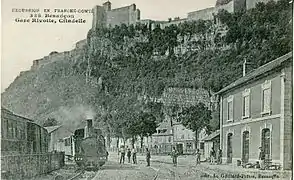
{"x":252,"y":3}
{"x":52,"y":57}
{"x":208,"y":13}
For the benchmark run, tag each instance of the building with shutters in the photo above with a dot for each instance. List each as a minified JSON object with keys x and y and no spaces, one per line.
{"x":256,"y":111}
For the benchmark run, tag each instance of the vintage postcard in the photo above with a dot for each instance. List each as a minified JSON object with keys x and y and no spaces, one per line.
{"x":150,"y":90}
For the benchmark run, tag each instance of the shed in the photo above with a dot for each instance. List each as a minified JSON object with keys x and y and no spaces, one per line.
{"x":212,"y":140}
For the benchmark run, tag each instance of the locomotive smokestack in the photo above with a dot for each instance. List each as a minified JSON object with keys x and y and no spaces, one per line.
{"x":89,"y":127}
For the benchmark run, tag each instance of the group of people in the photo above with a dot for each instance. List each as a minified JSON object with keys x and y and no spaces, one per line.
{"x":216,"y":156}
{"x":130,"y":153}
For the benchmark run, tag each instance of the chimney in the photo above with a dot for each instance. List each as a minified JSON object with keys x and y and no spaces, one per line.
{"x":244,"y":67}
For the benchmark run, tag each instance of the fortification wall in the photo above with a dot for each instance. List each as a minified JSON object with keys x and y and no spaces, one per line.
{"x":49,"y":59}
{"x":99,"y":17}
{"x":204,"y":14}
{"x":124,"y":15}
{"x":230,"y":7}
{"x":134,"y":16}
{"x":175,"y":22}
{"x":118,"y":16}
{"x":207,"y":14}
{"x":252,"y":3}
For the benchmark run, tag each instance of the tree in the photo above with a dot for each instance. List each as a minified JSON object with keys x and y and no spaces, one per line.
{"x":50,"y":122}
{"x":196,"y":118}
{"x":144,"y":126}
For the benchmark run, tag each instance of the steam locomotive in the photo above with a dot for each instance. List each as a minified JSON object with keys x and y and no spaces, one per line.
{"x":90,"y":150}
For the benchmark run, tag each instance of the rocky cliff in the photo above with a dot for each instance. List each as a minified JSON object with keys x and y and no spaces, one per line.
{"x":130,"y":60}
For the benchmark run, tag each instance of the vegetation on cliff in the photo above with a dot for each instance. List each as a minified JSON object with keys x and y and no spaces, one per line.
{"x":122,"y":67}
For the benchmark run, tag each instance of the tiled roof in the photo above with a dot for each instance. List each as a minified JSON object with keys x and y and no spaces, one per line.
{"x":4,"y":110}
{"x":211,"y":136}
{"x":259,"y":71}
{"x":52,"y":128}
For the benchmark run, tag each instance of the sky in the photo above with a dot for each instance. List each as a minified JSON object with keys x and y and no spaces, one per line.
{"x":24,"y":42}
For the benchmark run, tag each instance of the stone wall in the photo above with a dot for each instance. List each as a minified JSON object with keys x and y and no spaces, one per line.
{"x":207,"y":14}
{"x":252,"y":3}
{"x":49,"y":59}
{"x":59,"y":56}
{"x":175,"y":22}
{"x":288,"y":116}
{"x":124,"y":15}
{"x":30,"y":165}
{"x":99,"y":17}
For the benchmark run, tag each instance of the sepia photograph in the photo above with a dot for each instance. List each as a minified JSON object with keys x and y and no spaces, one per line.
{"x":146,"y":90}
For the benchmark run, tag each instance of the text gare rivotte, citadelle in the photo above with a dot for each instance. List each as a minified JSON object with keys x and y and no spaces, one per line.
{"x":50,"y":15}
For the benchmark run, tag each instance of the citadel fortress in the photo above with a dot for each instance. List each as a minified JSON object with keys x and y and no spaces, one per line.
{"x":105,"y":16}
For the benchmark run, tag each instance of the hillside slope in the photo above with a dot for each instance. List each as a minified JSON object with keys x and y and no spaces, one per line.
{"x":137,"y":60}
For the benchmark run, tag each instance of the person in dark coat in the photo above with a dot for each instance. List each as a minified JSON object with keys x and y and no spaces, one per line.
{"x":219,"y":156}
{"x":148,"y":156}
{"x":198,"y":156}
{"x":212,"y":156}
{"x":122,"y":152}
{"x":134,"y":154}
{"x":174,"y":155}
{"x":129,"y":153}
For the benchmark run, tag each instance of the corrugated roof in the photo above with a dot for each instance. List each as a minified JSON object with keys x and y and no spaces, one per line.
{"x":211,"y":136}
{"x":259,"y":71}
{"x":52,"y":128}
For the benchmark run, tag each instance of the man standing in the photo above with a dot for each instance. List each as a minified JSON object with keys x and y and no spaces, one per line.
{"x":197,"y":156}
{"x":122,"y":155}
{"x":219,"y":156}
{"x":212,"y":156}
{"x":134,"y":155}
{"x":129,"y":155}
{"x":148,"y":156}
{"x":174,"y":156}
{"x":261,"y":158}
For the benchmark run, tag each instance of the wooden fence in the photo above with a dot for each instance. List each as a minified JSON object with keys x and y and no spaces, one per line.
{"x":30,"y":165}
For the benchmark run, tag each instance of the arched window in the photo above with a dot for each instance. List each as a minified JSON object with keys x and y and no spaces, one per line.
{"x":266,"y":142}
{"x":229,"y":148}
{"x":245,"y":148}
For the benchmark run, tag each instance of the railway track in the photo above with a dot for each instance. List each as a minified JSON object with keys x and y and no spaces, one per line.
{"x":176,"y":176}
{"x":77,"y":175}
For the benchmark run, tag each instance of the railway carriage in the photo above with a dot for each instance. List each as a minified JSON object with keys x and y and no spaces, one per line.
{"x":20,"y":135}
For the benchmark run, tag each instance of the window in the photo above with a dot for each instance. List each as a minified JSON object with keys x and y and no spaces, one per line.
{"x":183,"y":136}
{"x":201,"y":145}
{"x":266,"y":100}
{"x":230,"y":108}
{"x":189,"y":145}
{"x":164,"y":130}
{"x":266,"y":142}
{"x":67,"y":142}
{"x":266,"y":97}
{"x":246,"y":104}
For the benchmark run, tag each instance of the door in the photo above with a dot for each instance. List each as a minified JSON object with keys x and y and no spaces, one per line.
{"x":245,"y":148}
{"x":180,"y":148}
{"x":229,"y":148}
